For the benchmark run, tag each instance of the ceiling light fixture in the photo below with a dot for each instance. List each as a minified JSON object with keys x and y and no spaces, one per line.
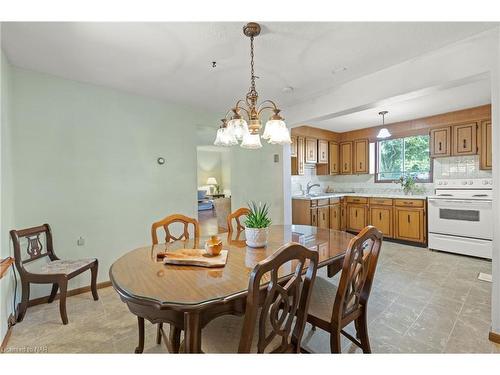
{"x":236,"y":128}
{"x":384,"y":132}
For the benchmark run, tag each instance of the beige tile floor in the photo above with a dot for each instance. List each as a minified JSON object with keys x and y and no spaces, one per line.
{"x":422,"y":302}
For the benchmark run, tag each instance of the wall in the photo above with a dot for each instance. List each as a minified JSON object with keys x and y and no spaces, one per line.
{"x":6,"y":191}
{"x":209,"y":165}
{"x":85,"y":162}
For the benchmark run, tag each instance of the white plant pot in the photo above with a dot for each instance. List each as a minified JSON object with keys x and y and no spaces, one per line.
{"x":256,"y":237}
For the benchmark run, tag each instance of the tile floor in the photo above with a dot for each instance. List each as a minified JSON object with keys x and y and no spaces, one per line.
{"x":422,"y":302}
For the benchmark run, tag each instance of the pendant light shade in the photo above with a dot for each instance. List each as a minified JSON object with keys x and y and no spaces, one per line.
{"x":251,"y":141}
{"x":278,"y":133}
{"x":384,"y":132}
{"x":237,"y":127}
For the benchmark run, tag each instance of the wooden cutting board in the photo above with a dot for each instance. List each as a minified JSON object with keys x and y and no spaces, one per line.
{"x":195,"y":257}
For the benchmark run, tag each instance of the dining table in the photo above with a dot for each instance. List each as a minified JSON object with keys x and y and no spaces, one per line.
{"x":189,"y":297}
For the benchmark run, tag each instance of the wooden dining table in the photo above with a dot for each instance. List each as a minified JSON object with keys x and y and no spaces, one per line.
{"x":189,"y":297}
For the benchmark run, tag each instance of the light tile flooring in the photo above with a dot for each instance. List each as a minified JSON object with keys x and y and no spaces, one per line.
{"x":421,"y":302}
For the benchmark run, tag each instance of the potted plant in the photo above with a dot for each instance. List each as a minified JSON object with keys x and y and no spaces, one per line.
{"x":257,"y":223}
{"x":408,"y":183}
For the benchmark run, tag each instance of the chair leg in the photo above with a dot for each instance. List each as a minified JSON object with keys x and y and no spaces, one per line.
{"x":159,"y":327}
{"x":335,"y":346}
{"x":175,"y":338}
{"x":93,"y":283}
{"x":23,"y":306}
{"x":362,"y":333}
{"x":140,"y":348}
{"x":63,"y":286}
{"x":53,"y":293}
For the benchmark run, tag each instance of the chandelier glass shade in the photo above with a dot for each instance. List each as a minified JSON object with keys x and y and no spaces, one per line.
{"x":243,"y":122}
{"x":384,"y":132}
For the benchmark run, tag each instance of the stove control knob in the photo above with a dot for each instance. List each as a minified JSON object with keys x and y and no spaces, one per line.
{"x":485,"y":182}
{"x":445,"y":183}
{"x":470,"y":182}
{"x":464,"y":182}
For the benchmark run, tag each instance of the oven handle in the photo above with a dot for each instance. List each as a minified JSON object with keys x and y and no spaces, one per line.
{"x":462,"y":201}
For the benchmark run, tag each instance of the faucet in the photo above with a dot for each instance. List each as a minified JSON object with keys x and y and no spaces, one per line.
{"x":310,"y":186}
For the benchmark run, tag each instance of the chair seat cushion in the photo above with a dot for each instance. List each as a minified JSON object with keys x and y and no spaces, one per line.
{"x":63,"y":266}
{"x":322,"y":299}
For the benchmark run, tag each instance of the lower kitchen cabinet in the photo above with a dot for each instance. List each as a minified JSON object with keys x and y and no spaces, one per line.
{"x":314,"y":217}
{"x":335,"y":222}
{"x":381,"y":218}
{"x":356,"y":217}
{"x":409,"y":224}
{"x":324,"y":217}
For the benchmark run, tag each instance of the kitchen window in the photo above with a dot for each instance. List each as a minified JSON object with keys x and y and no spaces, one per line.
{"x":401,"y":157}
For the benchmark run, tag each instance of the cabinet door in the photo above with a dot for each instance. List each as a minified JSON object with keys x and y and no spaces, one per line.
{"x":356,"y":217}
{"x":293,"y":147}
{"x":361,"y":156}
{"x":465,"y":139}
{"x":343,"y":217}
{"x":381,"y":218}
{"x":311,"y":150}
{"x":324,"y":217}
{"x":300,"y":155}
{"x":485,"y":152}
{"x":409,"y":224}
{"x":440,"y":142}
{"x":345,"y":157}
{"x":322,"y":151}
{"x":314,"y":217}
{"x":334,"y":158}
{"x":335,"y":217}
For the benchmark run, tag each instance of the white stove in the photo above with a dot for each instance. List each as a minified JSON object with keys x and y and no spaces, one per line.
{"x":460,"y":216}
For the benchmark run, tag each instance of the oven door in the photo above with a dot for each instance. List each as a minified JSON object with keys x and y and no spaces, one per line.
{"x":461,"y":217}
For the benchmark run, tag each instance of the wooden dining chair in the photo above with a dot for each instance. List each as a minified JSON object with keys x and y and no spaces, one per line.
{"x":333,"y":307}
{"x":236,"y":215}
{"x":56,"y":271}
{"x":165,"y":223}
{"x":276,"y":308}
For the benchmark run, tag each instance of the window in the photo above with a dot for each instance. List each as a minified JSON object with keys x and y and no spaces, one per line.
{"x":403,"y":156}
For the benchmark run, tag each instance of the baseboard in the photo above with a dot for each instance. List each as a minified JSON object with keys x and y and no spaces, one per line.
{"x":494,"y":337}
{"x":73,"y":292}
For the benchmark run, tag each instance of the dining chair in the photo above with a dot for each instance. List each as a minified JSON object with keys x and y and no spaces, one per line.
{"x":236,"y":215}
{"x":276,"y":307}
{"x":55,"y":271}
{"x":333,"y":307}
{"x":165,"y":223}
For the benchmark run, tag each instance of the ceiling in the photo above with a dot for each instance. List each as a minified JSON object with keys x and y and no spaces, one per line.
{"x":173,"y":61}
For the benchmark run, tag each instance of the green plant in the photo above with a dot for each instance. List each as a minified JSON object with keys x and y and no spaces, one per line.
{"x":408,"y":183}
{"x":258,"y":217}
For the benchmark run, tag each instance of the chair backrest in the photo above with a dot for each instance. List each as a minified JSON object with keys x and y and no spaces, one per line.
{"x":356,"y":279}
{"x":236,"y":215}
{"x":34,"y":247}
{"x":283,"y":304}
{"x":176,"y":218}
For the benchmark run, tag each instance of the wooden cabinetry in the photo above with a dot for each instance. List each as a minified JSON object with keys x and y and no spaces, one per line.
{"x":324,"y":217}
{"x":360,"y":156}
{"x":485,"y":155}
{"x":440,"y":142}
{"x":381,"y":218}
{"x":311,"y":150}
{"x":293,"y":147}
{"x":300,"y":155}
{"x":346,"y":158}
{"x":322,"y":151}
{"x":335,"y":222}
{"x":356,"y":217}
{"x":334,"y":158}
{"x":410,"y":220}
{"x":464,"y":139}
{"x":314,"y":217}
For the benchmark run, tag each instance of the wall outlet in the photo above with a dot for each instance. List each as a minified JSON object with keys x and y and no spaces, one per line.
{"x":80,"y":241}
{"x":276,"y":158}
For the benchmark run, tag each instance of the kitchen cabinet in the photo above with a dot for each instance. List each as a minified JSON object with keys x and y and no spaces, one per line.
{"x":324,"y":217}
{"x":356,"y":217}
{"x":464,"y":139}
{"x":440,"y":142}
{"x":314,"y":217}
{"x":293,"y":147}
{"x":311,"y":150}
{"x":485,"y":155}
{"x":360,"y":156}
{"x":335,"y":222}
{"x":322,"y":151}
{"x":346,"y":158}
{"x":381,"y":218}
{"x":343,"y":214}
{"x":409,"y":224}
{"x":334,"y":158}
{"x":300,"y":155}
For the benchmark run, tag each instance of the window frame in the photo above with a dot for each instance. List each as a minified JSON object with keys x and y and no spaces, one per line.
{"x":431,"y":160}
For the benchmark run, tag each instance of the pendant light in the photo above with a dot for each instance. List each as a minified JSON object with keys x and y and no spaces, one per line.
{"x":384,"y":132}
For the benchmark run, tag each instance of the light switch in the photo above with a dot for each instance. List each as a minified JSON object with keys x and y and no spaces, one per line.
{"x":276,"y":158}
{"x":80,"y":241}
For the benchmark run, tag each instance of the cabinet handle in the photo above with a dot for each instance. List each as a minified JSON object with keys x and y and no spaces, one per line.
{"x":465,"y":143}
{"x":380,"y":216}
{"x":334,"y":166}
{"x":324,"y":216}
{"x":408,"y":219}
{"x":355,"y":213}
{"x":335,"y":214}
{"x":345,"y":166}
{"x":439,"y":146}
{"x":360,"y":165}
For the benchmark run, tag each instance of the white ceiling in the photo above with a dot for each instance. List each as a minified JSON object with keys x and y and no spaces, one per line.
{"x":172,"y":61}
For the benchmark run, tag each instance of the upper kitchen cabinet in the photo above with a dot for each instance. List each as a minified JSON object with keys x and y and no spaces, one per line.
{"x":346,"y":158}
{"x":485,"y":146}
{"x":440,"y":142}
{"x":322,"y":151}
{"x":298,"y":159}
{"x":361,"y":155}
{"x":311,"y":150}
{"x":464,"y":139}
{"x":293,"y":147}
{"x":334,"y":158}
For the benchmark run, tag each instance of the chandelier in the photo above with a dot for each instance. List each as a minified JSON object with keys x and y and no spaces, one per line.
{"x":242,"y":123}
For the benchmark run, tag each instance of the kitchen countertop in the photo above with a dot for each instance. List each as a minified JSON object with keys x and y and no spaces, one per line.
{"x":367,"y":195}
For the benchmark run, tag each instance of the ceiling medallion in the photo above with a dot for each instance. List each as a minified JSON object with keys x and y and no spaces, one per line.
{"x":242,"y":122}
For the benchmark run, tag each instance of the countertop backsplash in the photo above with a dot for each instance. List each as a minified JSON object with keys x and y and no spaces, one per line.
{"x":444,"y":168}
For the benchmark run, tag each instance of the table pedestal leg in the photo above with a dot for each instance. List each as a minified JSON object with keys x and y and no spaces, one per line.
{"x":335,"y":267}
{"x":192,"y":332}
